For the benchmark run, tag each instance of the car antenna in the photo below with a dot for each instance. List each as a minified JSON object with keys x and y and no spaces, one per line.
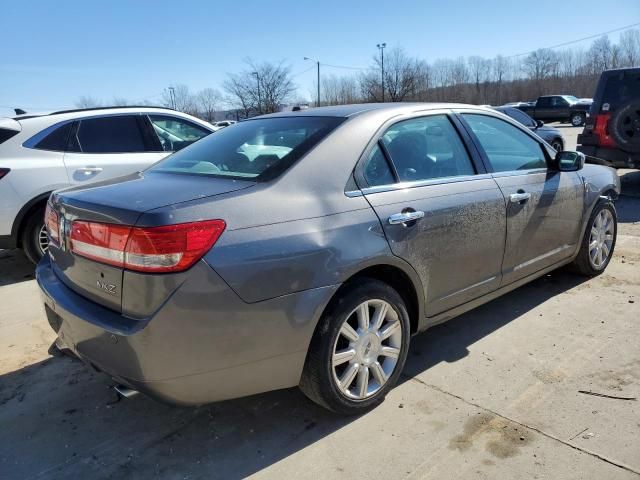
{"x":19,"y":111}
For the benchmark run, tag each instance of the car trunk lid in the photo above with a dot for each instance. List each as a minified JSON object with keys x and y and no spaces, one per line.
{"x":118,"y":202}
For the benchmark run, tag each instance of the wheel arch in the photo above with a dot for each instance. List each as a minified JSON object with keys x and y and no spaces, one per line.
{"x":28,"y":208}
{"x":403,"y":278}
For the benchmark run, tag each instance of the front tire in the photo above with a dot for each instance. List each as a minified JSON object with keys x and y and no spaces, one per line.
{"x":34,"y":236}
{"x":359,"y":348}
{"x":599,"y":240}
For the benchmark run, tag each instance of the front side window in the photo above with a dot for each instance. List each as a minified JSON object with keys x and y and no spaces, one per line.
{"x":507,"y":147}
{"x":174,"y":133}
{"x":559,"y":102}
{"x":254,"y":148}
{"x":426,"y":148}
{"x":114,"y":134}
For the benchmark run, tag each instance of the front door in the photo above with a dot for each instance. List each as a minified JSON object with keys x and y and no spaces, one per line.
{"x":544,"y":207}
{"x":437,"y":212}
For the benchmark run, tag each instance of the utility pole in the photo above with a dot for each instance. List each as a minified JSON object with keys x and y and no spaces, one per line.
{"x":258,"y":81}
{"x":172,"y":97}
{"x":318,"y":65}
{"x":381,"y":47}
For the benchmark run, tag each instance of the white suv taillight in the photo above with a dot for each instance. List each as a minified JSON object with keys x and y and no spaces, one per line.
{"x":169,"y":248}
{"x":51,"y":222}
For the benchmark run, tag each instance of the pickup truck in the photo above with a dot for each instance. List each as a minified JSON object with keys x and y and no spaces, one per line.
{"x":558,"y":108}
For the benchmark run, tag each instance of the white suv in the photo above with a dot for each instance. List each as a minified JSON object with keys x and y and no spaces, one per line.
{"x":45,"y":152}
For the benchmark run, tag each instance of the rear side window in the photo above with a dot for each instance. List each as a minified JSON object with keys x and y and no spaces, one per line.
{"x":260,"y":148}
{"x":543,"y":102}
{"x":426,"y":148}
{"x":376,"y":169}
{"x":507,"y":147}
{"x":620,"y":89}
{"x":115,"y":134}
{"x":520,"y":116}
{"x":6,"y":134}
{"x":57,"y":139}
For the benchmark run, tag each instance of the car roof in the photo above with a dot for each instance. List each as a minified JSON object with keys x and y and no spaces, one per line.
{"x":360,"y":108}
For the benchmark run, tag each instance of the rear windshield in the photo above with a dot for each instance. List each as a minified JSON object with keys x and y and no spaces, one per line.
{"x":257,"y":149}
{"x":621,"y":88}
{"x":6,"y":134}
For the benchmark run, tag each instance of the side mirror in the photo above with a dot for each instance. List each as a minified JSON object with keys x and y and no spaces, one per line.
{"x":539,"y":123}
{"x":567,"y":161}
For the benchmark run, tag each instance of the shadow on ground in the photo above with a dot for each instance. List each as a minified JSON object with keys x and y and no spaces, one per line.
{"x":15,"y":267}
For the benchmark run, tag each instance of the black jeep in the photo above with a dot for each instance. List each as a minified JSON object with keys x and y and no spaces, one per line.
{"x":611,"y":135}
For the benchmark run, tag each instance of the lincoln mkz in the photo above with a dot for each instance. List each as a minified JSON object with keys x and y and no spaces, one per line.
{"x":306,"y":248}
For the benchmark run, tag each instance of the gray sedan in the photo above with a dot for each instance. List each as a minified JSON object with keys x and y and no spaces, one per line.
{"x":306,"y":248}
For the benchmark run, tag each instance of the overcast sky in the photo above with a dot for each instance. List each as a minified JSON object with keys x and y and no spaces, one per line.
{"x":56,"y":51}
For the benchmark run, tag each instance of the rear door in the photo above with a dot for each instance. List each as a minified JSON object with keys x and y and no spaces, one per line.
{"x":439,"y":210}
{"x":544,"y":207}
{"x":110,"y":146}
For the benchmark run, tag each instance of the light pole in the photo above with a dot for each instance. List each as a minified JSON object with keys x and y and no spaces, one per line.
{"x":318,"y":64}
{"x":381,"y":47}
{"x":172,"y":96}
{"x":258,"y":81}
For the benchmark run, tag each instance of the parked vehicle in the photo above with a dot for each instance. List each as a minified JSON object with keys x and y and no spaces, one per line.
{"x":551,"y":135}
{"x":518,"y":104}
{"x":217,"y":273}
{"x":41,"y":153}
{"x":558,"y":108}
{"x":612,"y":133}
{"x":223,"y":123}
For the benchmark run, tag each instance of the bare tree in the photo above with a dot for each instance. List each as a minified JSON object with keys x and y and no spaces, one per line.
{"x":208,"y":103}
{"x":479,"y":69}
{"x":630,"y":48}
{"x":600,"y":54}
{"x":87,"y":101}
{"x":182,"y":100}
{"x":261,"y":87}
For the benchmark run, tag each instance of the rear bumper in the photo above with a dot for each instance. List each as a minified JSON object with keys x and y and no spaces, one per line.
{"x":203,"y":345}
{"x":610,"y":157}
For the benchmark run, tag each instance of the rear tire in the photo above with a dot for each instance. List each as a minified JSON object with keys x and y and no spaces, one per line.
{"x":34,"y":242}
{"x":578,"y":119}
{"x":599,"y":240}
{"x":351,"y":364}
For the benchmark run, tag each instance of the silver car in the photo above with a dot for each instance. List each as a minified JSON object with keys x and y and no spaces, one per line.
{"x":306,"y":248}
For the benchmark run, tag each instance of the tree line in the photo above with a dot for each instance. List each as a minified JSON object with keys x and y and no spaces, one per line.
{"x":263,"y":87}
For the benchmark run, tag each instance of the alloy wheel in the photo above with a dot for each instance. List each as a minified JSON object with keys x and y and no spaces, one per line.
{"x":43,"y":239}
{"x":601,"y":239}
{"x":366,"y":350}
{"x":576,"y":120}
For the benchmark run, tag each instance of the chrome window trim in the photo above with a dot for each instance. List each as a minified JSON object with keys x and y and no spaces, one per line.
{"x":421,"y":183}
{"x":513,"y":173}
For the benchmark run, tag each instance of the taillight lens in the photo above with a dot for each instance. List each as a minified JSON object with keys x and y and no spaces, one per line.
{"x":51,"y":221}
{"x":169,"y":248}
{"x":601,"y":129}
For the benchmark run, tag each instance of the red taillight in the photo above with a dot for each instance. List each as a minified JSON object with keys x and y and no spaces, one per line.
{"x":51,"y":222}
{"x":170,"y":248}
{"x":601,"y":129}
{"x":4,"y":171}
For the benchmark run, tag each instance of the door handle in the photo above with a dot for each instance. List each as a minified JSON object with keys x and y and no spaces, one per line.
{"x":89,"y":170}
{"x":404,"y":217}
{"x":520,"y":197}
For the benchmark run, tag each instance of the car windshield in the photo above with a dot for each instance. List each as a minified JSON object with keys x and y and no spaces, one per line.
{"x":258,"y":149}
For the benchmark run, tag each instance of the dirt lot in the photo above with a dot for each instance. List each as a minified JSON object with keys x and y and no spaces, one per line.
{"x":492,"y":394}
